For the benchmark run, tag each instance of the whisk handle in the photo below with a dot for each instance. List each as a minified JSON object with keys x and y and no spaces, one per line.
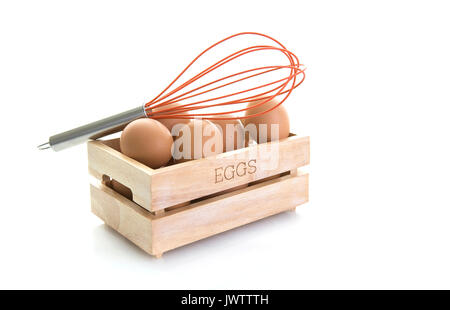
{"x":93,"y":130}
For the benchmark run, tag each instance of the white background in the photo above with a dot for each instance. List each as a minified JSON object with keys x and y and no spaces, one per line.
{"x":375,"y":103}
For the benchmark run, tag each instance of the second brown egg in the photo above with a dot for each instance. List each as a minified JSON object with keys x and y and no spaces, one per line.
{"x":270,"y":126}
{"x":202,"y":139}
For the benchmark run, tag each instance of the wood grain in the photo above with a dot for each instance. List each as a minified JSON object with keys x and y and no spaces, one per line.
{"x":156,"y":234}
{"x":157,"y":189}
{"x":219,"y":214}
{"x":123,"y":215}
{"x":104,"y":160}
{"x":182,"y":203}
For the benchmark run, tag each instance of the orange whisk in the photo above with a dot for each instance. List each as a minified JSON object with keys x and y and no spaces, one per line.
{"x":220,"y":96}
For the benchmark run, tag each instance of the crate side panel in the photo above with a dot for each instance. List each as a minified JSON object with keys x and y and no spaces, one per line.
{"x":104,"y":160}
{"x":187,"y":181}
{"x":122,"y":215}
{"x":217,"y":215}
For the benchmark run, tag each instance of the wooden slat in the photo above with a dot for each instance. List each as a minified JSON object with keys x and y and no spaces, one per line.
{"x":190,"y":180}
{"x":215,"y":215}
{"x":122,"y":215}
{"x":104,"y":160}
{"x":156,"y":234}
{"x":157,"y":189}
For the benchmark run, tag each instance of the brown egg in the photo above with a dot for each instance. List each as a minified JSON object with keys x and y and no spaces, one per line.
{"x":277,"y":117}
{"x":147,"y":141}
{"x":121,"y":189}
{"x":233,"y":134}
{"x":170,"y":122}
{"x":202,"y":139}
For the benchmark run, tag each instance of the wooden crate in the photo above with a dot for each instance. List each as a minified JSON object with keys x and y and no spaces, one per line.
{"x":179,"y":204}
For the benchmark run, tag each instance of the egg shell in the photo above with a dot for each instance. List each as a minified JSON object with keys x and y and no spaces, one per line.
{"x":277,"y":116}
{"x":147,"y":141}
{"x":203,"y":136}
{"x":170,"y":122}
{"x":232,"y":133}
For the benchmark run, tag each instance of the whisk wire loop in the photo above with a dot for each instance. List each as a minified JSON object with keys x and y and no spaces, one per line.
{"x":173,"y":103}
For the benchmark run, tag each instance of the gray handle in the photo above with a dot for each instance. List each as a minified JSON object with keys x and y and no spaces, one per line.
{"x":93,"y":130}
